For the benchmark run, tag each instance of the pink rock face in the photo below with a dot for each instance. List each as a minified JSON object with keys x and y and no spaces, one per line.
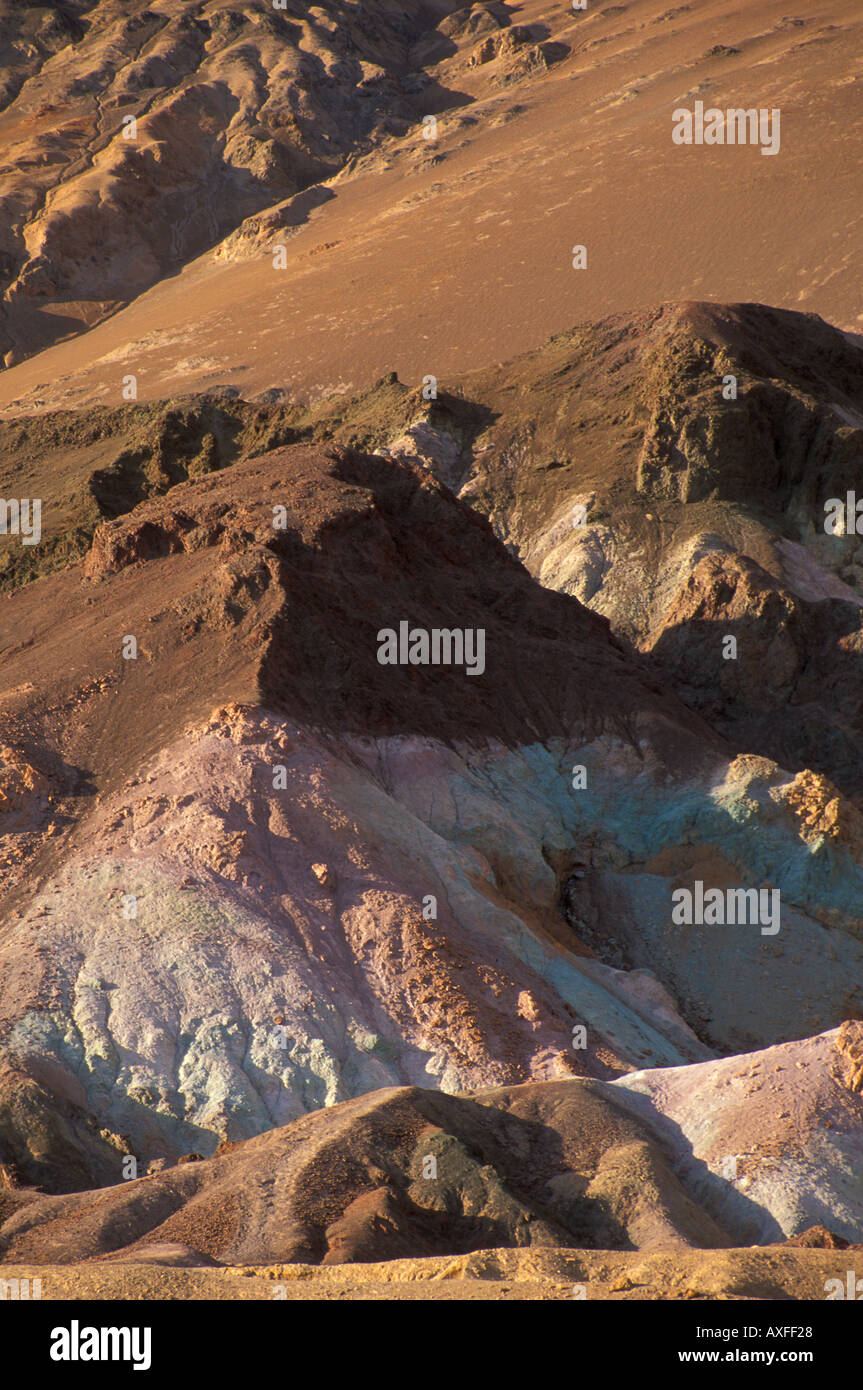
{"x":262,"y":913}
{"x":345,"y":875}
{"x":809,"y":580}
{"x":771,"y":1140}
{"x":323,"y":921}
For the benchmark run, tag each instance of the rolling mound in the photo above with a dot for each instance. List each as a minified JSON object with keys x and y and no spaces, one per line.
{"x":409,"y":1173}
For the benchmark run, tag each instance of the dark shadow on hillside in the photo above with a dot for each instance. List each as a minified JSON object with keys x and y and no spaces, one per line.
{"x":397,"y":547}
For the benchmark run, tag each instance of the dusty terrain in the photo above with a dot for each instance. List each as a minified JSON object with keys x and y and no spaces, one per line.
{"x":325,"y":977}
{"x":416,"y":255}
{"x":495,"y":1275}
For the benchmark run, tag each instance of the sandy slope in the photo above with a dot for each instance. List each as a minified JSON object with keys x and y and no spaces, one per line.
{"x":439,"y":257}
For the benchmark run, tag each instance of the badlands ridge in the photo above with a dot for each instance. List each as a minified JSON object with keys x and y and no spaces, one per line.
{"x":361,"y":978}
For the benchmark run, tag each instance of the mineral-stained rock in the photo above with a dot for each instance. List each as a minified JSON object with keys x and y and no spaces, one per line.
{"x":770,"y":1144}
{"x":431,"y":806}
{"x":642,"y":1163}
{"x":312,"y":875}
{"x":617,"y":468}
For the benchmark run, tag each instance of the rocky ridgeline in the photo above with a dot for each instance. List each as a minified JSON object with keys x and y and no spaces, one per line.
{"x":610,"y":461}
{"x":235,"y":901}
{"x":137,"y":137}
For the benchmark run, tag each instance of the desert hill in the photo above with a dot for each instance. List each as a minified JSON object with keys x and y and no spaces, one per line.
{"x":431,"y":816}
{"x":426,"y":256}
{"x":408,"y":1173}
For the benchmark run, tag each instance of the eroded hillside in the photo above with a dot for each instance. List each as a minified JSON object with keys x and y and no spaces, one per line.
{"x":430,"y":626}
